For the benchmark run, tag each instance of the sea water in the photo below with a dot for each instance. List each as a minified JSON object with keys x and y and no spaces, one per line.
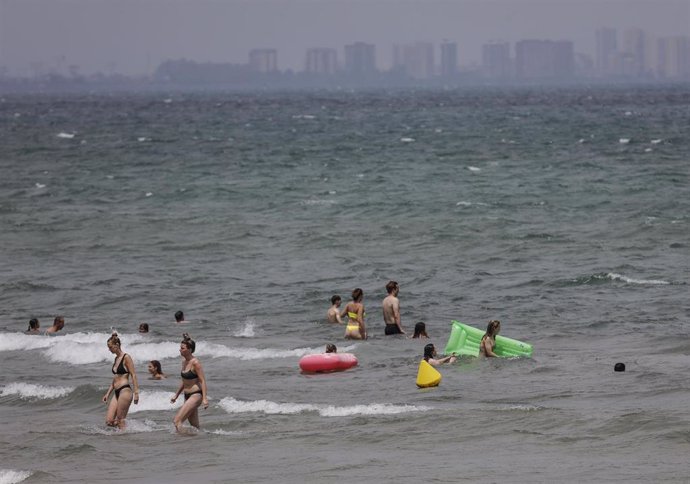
{"x":562,"y":212}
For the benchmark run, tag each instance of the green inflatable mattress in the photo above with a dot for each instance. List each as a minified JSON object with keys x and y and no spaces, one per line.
{"x":464,"y":340}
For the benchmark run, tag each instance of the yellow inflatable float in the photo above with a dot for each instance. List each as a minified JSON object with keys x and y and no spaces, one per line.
{"x":427,"y":375}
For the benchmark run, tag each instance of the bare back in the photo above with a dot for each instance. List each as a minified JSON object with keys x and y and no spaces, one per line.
{"x":391,"y":310}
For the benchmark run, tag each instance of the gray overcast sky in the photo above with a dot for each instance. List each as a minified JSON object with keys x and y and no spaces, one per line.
{"x":134,"y":36}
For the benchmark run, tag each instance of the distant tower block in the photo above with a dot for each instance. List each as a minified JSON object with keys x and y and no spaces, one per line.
{"x":263,"y":60}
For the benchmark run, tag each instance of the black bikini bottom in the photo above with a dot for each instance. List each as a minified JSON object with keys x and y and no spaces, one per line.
{"x":117,"y":390}
{"x":187,"y":395}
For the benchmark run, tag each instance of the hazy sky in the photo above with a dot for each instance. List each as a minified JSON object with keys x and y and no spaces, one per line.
{"x":134,"y":36}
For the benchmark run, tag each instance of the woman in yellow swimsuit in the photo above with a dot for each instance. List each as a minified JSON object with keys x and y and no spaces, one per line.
{"x":355,"y":328}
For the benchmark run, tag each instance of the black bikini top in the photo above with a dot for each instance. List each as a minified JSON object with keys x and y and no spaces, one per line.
{"x":189,"y":375}
{"x":121,"y":370}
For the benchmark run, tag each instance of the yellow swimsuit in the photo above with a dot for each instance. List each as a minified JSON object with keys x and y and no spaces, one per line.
{"x":352,"y":325}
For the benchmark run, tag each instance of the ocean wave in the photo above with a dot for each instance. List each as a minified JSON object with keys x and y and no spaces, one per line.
{"x":247,"y":331}
{"x":222,"y":351}
{"x":231,"y":405}
{"x":9,"y":476}
{"x":605,"y":277}
{"x":89,"y":348}
{"x":521,"y":408}
{"x":155,"y":401}
{"x":629,"y":280}
{"x":29,"y":391}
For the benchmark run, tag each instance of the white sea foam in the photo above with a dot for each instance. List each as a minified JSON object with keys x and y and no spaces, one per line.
{"x":40,"y":185}
{"x":407,"y":140}
{"x":629,"y":280}
{"x":474,"y":168}
{"x":303,"y":116}
{"x":656,"y":141}
{"x":89,"y":348}
{"x":141,"y":139}
{"x":231,"y":405}
{"x":64,"y":135}
{"x":27,"y":391}
{"x":148,"y":194}
{"x":9,"y":476}
{"x":155,"y":401}
{"x":224,"y":432}
{"x":222,"y":351}
{"x":647,"y":150}
{"x":132,"y":426}
{"x":247,"y":330}
{"x":522,"y":408}
{"x":624,"y":141}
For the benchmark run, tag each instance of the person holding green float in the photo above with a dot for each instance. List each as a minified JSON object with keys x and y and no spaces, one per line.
{"x":488,"y":342}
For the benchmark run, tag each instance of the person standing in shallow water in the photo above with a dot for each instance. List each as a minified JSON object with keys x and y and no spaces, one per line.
{"x":193,"y":385}
{"x":355,"y":328}
{"x":123,"y":368}
{"x":391,"y":309}
{"x":333,"y":314}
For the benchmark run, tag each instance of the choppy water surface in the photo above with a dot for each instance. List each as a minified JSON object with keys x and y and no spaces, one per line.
{"x":563,"y":213}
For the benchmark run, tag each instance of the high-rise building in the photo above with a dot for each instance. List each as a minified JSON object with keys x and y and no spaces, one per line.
{"x":544,"y":59}
{"x":607,"y":46}
{"x":360,"y":59}
{"x":263,"y":60}
{"x":673,"y":58}
{"x":321,"y":61}
{"x":449,"y":59}
{"x":416,"y":60}
{"x":635,"y":46}
{"x":496,"y":60}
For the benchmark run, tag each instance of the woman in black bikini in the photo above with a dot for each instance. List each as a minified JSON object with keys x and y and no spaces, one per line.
{"x":122,"y":368}
{"x":193,"y":384}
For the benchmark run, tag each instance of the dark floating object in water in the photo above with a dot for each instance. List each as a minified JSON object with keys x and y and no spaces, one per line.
{"x":619,"y":367}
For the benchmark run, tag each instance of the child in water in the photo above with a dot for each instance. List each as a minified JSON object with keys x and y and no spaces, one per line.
{"x":430,"y":356}
{"x":420,"y":331}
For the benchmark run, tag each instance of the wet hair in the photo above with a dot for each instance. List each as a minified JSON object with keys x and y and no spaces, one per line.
{"x":179,"y":316}
{"x":335,"y":298}
{"x":619,"y":367}
{"x":59,"y":321}
{"x":188,"y":342}
{"x":114,"y":340}
{"x":33,"y":324}
{"x":157,"y":365}
{"x":330,"y":348}
{"x":428,"y":351}
{"x":357,"y":294}
{"x":391,"y":286}
{"x":491,"y":327}
{"x":420,"y":330}
{"x":144,"y":328}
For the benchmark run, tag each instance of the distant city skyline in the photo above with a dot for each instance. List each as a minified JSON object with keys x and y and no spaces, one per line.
{"x":134,"y":37}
